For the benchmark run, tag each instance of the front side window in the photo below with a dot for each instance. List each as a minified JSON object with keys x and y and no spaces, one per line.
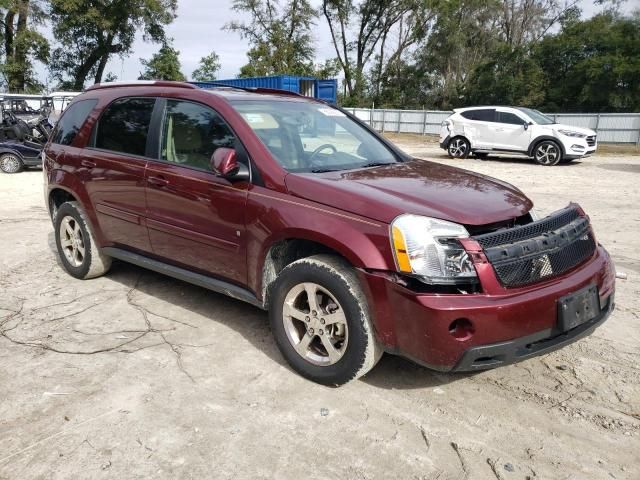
{"x":312,"y":137}
{"x":510,"y":118}
{"x":124,"y":126}
{"x":71,"y":122}
{"x":191,"y":133}
{"x":538,"y":117}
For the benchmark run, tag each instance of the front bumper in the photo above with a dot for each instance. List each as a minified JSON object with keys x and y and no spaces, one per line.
{"x":417,"y":325}
{"x":504,"y":353}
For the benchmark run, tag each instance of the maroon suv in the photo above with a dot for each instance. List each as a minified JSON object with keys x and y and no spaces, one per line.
{"x":298,"y":208}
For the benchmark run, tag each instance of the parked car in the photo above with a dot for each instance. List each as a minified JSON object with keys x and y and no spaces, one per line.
{"x":298,"y":208}
{"x":21,"y":144}
{"x":482,"y":131}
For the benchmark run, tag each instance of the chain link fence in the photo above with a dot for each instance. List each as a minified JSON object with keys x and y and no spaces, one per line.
{"x":610,"y":127}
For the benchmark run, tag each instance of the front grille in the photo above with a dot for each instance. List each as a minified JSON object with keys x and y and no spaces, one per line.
{"x":591,"y":141}
{"x":539,"y":250}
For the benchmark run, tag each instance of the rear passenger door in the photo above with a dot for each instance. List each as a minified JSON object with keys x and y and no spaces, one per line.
{"x":114,"y":166}
{"x":478,"y":127}
{"x":195,"y":218}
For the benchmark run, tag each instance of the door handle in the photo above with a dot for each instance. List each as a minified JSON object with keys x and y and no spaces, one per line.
{"x":158,"y":181}
{"x":88,"y":163}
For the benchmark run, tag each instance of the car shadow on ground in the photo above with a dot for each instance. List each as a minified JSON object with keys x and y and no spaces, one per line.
{"x":392,"y":372}
{"x":500,"y":159}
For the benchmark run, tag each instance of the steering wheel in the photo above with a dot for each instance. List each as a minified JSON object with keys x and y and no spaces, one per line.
{"x":319,"y":149}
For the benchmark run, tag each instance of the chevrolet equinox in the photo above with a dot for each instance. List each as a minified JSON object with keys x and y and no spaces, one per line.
{"x":295,"y":206}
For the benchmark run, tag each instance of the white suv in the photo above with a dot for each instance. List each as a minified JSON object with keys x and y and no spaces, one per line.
{"x":514,"y":130}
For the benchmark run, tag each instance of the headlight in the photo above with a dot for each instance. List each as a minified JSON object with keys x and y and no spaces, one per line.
{"x":571,"y":133}
{"x":429,"y":248}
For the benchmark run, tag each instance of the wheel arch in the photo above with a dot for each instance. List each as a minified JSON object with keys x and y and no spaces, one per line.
{"x":299,"y":244}
{"x":4,"y":150}
{"x":539,"y":140}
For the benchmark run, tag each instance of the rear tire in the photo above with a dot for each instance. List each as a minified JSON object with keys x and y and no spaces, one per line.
{"x":11,"y":163}
{"x":547,"y":153}
{"x":77,"y":248}
{"x":320,"y":320}
{"x":459,"y":147}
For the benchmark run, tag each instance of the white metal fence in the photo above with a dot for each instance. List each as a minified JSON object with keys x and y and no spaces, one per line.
{"x":610,"y":127}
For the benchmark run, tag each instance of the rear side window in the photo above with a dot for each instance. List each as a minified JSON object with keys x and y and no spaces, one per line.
{"x":506,"y":117}
{"x":124,"y":126}
{"x":483,"y":115}
{"x":71,"y":121}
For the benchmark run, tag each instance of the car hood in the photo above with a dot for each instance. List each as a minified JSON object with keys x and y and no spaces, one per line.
{"x":419,"y":187}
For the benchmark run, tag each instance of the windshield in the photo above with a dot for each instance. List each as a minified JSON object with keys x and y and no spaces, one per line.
{"x":538,"y":117}
{"x":312,"y":137}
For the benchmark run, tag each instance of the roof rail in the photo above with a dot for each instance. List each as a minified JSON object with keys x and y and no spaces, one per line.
{"x":141,"y":83}
{"x":208,"y":85}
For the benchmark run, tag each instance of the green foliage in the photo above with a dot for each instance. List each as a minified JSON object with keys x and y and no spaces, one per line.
{"x":164,"y":65}
{"x":593,"y":65}
{"x":511,"y":77}
{"x":279,"y":37}
{"x":207,"y":68}
{"x":89,"y":32}
{"x":22,"y":45}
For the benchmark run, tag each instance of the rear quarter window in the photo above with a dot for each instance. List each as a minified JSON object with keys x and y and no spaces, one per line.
{"x":71,"y":122}
{"x":482,"y":115}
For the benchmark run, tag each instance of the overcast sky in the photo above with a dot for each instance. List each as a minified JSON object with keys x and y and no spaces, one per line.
{"x":197,"y":31}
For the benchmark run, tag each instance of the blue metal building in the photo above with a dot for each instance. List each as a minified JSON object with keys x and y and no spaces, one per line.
{"x":326,"y":90}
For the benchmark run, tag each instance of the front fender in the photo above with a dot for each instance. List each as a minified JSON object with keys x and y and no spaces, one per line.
{"x":274,"y":217}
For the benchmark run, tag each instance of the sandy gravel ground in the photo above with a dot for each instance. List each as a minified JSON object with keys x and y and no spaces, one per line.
{"x":135,"y":375}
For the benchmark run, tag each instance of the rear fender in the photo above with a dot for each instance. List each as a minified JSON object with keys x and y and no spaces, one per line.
{"x":60,"y":179}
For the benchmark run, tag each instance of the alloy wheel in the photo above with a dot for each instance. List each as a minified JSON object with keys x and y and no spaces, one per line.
{"x":10,"y":163}
{"x":457,"y":147}
{"x":72,"y":241}
{"x":547,"y":154}
{"x":315,"y":324}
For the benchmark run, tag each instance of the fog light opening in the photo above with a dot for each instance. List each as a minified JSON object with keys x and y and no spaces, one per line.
{"x":462,"y":329}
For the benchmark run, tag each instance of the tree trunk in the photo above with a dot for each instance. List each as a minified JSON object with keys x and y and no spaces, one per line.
{"x":21,"y":51}
{"x":101,"y":66}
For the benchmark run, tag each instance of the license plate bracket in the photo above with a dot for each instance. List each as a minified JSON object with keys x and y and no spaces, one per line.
{"x":578,"y":308}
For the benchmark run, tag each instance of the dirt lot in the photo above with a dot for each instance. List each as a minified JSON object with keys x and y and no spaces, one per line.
{"x":135,"y":375}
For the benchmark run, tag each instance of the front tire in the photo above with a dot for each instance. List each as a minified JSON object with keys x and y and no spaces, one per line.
{"x":77,"y":248}
{"x":320,"y":320}
{"x":547,"y":153}
{"x":11,"y":163}
{"x":459,"y":147}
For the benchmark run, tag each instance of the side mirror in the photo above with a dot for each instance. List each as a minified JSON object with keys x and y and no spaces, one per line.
{"x":224,"y":162}
{"x":526,"y":125}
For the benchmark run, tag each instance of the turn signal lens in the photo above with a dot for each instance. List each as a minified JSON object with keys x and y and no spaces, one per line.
{"x":400,"y":248}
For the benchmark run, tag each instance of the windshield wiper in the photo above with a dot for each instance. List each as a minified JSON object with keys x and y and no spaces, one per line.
{"x":376,"y":164}
{"x":325,"y":170}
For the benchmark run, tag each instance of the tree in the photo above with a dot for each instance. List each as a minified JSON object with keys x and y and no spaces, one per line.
{"x":91,"y":31}
{"x":164,"y":65}
{"x":207,"y":68}
{"x":593,"y":65}
{"x":357,"y":29}
{"x":279,"y":36}
{"x":23,"y":44}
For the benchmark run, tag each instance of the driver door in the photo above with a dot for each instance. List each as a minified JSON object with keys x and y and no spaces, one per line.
{"x":196,"y":218}
{"x":510,"y":132}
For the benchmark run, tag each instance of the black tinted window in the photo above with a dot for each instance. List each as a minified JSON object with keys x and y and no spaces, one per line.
{"x":506,"y":117}
{"x":191,"y":134}
{"x":71,"y":121}
{"x":484,"y":115}
{"x":124,"y":126}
